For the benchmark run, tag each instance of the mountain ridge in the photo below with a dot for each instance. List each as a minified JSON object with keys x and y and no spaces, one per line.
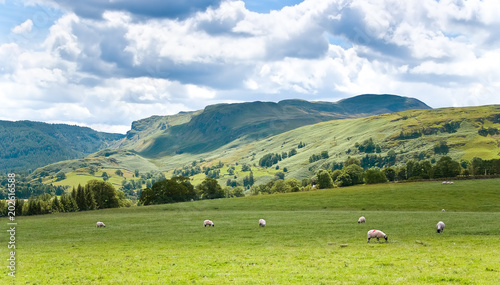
{"x":220,"y":124}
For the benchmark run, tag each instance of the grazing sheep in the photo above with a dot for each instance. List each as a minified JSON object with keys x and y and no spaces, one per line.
{"x":442,"y":210}
{"x":440,"y":227}
{"x":208,"y":223}
{"x":376,"y":234}
{"x":361,"y":220}
{"x":262,"y":222}
{"x":100,"y":224}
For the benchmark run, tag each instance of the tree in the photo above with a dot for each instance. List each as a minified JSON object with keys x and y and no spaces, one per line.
{"x":105,"y":176}
{"x":56,"y":206}
{"x":446,"y":167}
{"x":389,"y":173}
{"x":344,"y":179}
{"x":93,"y":169}
{"x":104,"y":193}
{"x":90,"y":203}
{"x":280,"y":186}
{"x":324,"y":179}
{"x":279,"y":176}
{"x":80,"y":198}
{"x":248,"y":180}
{"x":119,"y":172}
{"x":210,"y":189}
{"x":60,"y":176}
{"x":147,"y":197}
{"x":374,"y":175}
{"x":294,"y":184}
{"x":351,"y":160}
{"x":441,"y":147}
{"x":355,"y":172}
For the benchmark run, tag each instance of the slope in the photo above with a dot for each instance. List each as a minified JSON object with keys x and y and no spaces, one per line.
{"x":404,"y":135}
{"x":27,"y":145}
{"x":221,"y":124}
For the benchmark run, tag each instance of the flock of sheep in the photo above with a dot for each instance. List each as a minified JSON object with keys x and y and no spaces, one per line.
{"x":371,"y":233}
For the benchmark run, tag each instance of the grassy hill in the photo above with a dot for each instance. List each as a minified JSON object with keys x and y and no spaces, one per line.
{"x":310,"y":238}
{"x":26,"y":145}
{"x":221,"y":124}
{"x":409,"y":134}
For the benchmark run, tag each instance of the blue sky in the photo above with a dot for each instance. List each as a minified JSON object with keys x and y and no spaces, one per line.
{"x":104,"y":64}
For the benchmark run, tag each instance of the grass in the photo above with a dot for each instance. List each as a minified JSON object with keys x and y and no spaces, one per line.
{"x":82,"y":176}
{"x":310,"y":238}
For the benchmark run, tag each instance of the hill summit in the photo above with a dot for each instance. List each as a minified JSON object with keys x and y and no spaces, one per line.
{"x":220,"y":124}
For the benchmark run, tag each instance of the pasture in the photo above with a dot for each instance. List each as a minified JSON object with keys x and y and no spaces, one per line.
{"x":310,"y":238}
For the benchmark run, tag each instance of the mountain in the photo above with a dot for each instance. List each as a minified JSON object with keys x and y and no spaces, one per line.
{"x":220,"y":124}
{"x":466,"y":132}
{"x":27,"y":145}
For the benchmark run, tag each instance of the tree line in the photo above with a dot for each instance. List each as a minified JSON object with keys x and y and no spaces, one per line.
{"x":94,"y":195}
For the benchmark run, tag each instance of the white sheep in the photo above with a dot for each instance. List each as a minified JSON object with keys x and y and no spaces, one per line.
{"x":440,"y":227}
{"x":208,"y":223}
{"x":442,"y":210}
{"x":100,"y":224}
{"x":376,"y":234}
{"x":361,"y":220}
{"x":262,"y":222}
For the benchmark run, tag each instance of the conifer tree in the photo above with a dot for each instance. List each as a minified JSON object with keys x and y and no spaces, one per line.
{"x":80,"y":198}
{"x":73,"y":193}
{"x":65,"y":203}
{"x":89,"y":199}
{"x":74,"y":205}
{"x":56,"y":206}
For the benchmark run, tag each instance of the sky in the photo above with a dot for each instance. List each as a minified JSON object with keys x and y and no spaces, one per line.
{"x":105,"y":64}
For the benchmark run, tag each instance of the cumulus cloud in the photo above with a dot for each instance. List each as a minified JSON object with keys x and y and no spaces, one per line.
{"x":25,"y":27}
{"x":118,"y":61}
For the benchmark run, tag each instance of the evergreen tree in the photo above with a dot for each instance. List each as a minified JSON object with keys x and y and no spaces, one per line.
{"x":89,"y":199}
{"x":65,"y":203}
{"x":56,"y":206}
{"x":73,"y":193}
{"x":73,"y":205}
{"x":80,"y":198}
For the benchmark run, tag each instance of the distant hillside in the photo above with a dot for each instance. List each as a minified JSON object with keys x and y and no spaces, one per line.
{"x":220,"y":124}
{"x":27,"y":145}
{"x":466,"y":132}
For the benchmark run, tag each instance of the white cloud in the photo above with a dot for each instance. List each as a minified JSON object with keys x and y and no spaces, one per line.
{"x":118,"y":63}
{"x":25,"y":27}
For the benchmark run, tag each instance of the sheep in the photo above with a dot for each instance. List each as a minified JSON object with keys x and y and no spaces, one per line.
{"x":442,"y":210}
{"x":262,"y":222}
{"x":440,"y":227}
{"x":100,"y":224}
{"x":208,"y":223}
{"x":376,"y":234}
{"x":361,"y":220}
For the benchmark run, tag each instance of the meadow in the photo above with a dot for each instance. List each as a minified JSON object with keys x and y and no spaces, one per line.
{"x":310,"y":238}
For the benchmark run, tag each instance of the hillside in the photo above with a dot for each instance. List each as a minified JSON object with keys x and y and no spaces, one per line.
{"x":401,"y":136}
{"x":218,"y":125}
{"x":27,"y":145}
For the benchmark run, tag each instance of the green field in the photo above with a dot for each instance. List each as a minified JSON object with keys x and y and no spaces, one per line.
{"x":310,"y":238}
